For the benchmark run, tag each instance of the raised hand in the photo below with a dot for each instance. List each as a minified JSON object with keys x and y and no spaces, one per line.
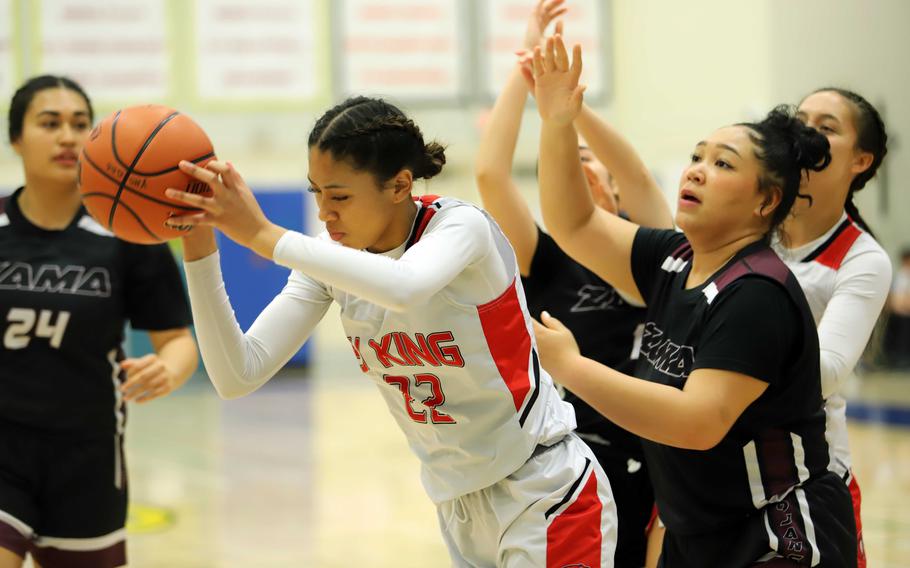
{"x":232,"y":208}
{"x":544,"y":12}
{"x":559,"y":96}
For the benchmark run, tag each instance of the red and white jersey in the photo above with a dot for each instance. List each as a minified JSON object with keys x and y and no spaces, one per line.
{"x":845,"y":275}
{"x":439,"y":324}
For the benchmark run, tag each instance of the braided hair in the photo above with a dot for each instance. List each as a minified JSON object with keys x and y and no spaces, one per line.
{"x":375,"y":136}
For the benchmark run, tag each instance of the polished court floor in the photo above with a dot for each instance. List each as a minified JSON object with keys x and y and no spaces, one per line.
{"x":311,"y":471}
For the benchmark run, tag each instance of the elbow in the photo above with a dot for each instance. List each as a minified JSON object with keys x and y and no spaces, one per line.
{"x":700,"y":436}
{"x":834,"y":371}
{"x":405,"y":301}
{"x":227,"y":384}
{"x":227,"y":392}
{"x":489,"y":177}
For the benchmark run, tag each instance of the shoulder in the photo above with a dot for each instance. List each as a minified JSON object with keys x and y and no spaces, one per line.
{"x":665,"y":242}
{"x":866,"y":259}
{"x":867,"y":251}
{"x":88,"y":224}
{"x":456,"y":215}
{"x":755,"y":298}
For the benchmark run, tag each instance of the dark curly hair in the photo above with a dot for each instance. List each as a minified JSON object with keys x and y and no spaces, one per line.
{"x":786,"y":148}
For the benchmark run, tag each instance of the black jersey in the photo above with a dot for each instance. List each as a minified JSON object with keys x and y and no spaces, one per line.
{"x":65,"y":297}
{"x":603,"y":323}
{"x":750,"y":317}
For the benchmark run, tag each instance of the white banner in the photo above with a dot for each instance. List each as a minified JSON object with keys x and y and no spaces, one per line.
{"x":262,"y":50}
{"x":504,"y":25}
{"x":117,"y":49}
{"x":407,"y":49}
{"x":8,"y":77}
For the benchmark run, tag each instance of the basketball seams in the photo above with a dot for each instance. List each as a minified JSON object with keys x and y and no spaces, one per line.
{"x":129,"y":169}
{"x":139,"y":220}
{"x":151,"y":138}
{"x":128,"y":209}
{"x":175,"y":168}
{"x":114,"y":139}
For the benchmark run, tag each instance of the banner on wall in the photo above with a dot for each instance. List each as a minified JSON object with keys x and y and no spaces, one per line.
{"x":411,"y":50}
{"x":503,"y":29}
{"x":8,"y":78}
{"x":258,"y":51}
{"x":117,"y":49}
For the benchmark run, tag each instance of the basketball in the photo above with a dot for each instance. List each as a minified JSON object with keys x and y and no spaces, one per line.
{"x":128,"y":162}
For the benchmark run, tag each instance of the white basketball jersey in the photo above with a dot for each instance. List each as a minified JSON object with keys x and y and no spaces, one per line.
{"x":816,"y":266}
{"x":463,"y":381}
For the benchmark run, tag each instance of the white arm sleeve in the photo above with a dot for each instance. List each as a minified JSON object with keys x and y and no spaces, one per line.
{"x":238,"y":363}
{"x":451,"y":243}
{"x":860,"y":290}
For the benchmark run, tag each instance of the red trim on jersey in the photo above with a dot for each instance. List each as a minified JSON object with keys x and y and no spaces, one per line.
{"x":833,"y":255}
{"x":507,"y":336}
{"x":857,"y":502}
{"x":426,"y":212}
{"x":574,"y":538}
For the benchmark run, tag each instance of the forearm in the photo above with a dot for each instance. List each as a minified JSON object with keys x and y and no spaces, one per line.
{"x":640,"y":196}
{"x":236,"y":364}
{"x":498,"y":192}
{"x":199,"y":243}
{"x":180,"y":356}
{"x":496,"y":150}
{"x":659,"y":413}
{"x":564,"y":195}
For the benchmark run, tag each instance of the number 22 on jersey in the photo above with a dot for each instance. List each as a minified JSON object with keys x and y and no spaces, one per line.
{"x":432,"y":402}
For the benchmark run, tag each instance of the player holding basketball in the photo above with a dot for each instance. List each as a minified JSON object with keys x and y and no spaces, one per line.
{"x":728,"y":389}
{"x":67,"y":289}
{"x":844,"y":272}
{"x":604,"y":322}
{"x":432,"y":303}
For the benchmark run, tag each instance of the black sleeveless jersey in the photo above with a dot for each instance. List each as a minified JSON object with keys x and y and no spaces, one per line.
{"x":603,"y":323}
{"x":750,"y":317}
{"x":65,"y":298}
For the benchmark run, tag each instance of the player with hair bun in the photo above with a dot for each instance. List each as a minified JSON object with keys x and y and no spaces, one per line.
{"x":727,"y":395}
{"x":432,"y":304}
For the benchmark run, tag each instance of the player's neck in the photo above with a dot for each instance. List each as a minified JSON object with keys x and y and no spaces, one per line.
{"x":49,"y":206}
{"x":399,"y":229}
{"x":809,"y":225}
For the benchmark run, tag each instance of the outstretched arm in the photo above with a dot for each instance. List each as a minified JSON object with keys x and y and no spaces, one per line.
{"x":598,"y":240}
{"x":640,"y":196}
{"x":695,"y":418}
{"x":238,"y":363}
{"x":493,"y":166}
{"x":458,"y":237}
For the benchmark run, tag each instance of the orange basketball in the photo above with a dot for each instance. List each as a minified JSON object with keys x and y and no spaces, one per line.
{"x":129,"y":160}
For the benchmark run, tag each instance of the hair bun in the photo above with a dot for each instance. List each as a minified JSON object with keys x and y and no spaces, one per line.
{"x":810,"y":149}
{"x":434,"y":159}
